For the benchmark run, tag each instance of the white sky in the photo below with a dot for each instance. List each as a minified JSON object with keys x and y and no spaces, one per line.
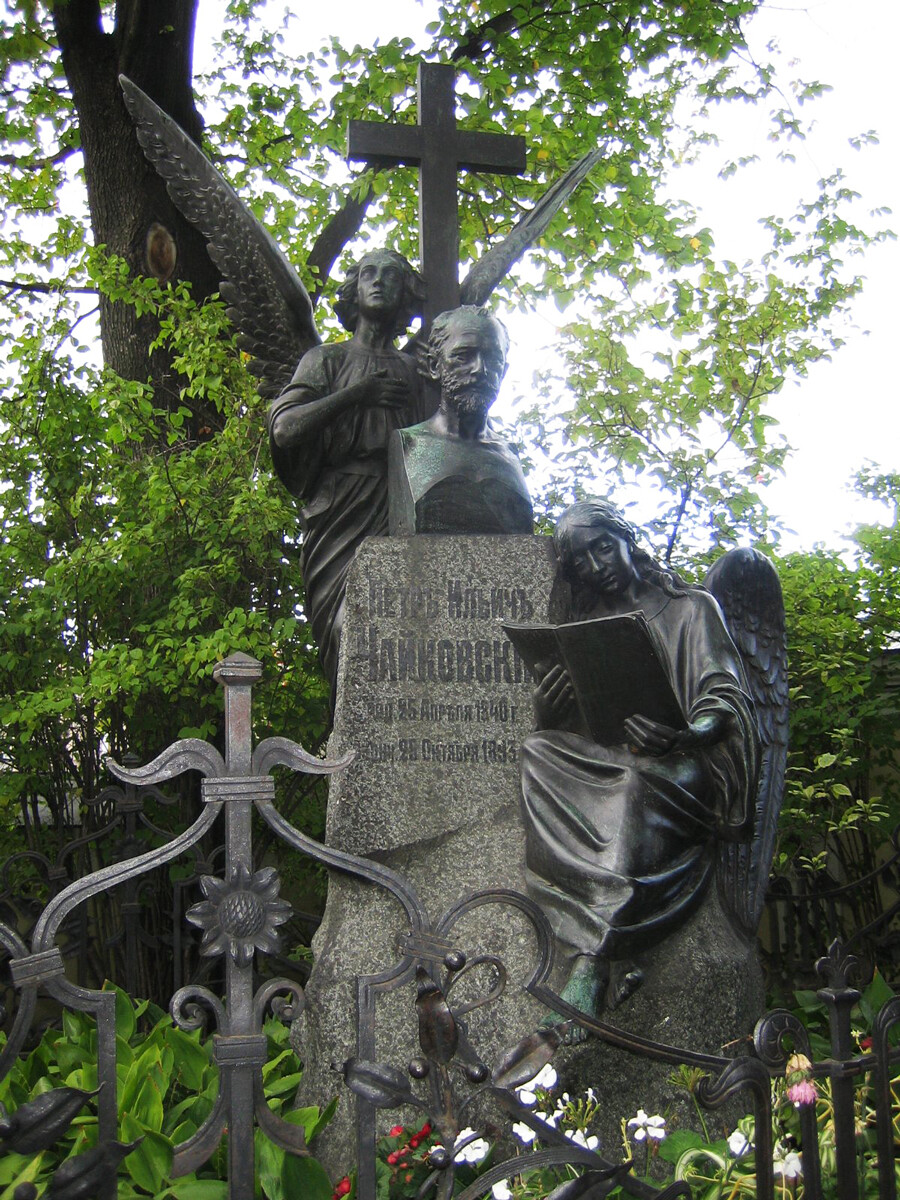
{"x":846,"y":412}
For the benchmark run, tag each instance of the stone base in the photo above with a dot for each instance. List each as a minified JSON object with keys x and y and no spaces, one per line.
{"x":435,"y":701}
{"x":702,"y":990}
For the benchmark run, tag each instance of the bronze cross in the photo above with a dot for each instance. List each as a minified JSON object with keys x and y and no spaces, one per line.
{"x":440,"y":150}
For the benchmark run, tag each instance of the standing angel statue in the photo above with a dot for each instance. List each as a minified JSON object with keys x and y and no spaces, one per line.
{"x":334,"y":406}
{"x":330,"y":427}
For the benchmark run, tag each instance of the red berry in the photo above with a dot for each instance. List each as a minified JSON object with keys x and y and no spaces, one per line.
{"x":414,"y":1142}
{"x":425,"y":1130}
{"x":396,"y":1131}
{"x":408,"y":1176}
{"x":343,"y":1186}
{"x":392,"y":1158}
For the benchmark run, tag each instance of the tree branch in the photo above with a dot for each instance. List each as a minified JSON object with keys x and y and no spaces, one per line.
{"x":343,"y":226}
{"x":17,"y":285}
{"x":37,"y":164}
{"x":480,"y":41}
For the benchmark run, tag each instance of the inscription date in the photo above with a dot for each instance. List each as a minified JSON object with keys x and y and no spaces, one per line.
{"x":500,"y":711}
{"x":412,"y":751}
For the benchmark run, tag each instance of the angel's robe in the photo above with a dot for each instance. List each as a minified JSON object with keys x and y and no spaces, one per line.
{"x":620,"y":846}
{"x":341,"y":474}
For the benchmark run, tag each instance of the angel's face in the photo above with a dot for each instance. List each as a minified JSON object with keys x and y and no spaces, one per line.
{"x":601,"y":559}
{"x":380,"y":286}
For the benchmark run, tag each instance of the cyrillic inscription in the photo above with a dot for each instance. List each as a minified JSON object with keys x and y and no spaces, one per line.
{"x":486,"y":680}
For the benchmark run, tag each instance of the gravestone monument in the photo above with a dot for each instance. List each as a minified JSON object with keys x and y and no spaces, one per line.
{"x":434,"y":698}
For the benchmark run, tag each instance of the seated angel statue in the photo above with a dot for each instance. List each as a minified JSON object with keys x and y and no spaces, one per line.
{"x":621,"y":839}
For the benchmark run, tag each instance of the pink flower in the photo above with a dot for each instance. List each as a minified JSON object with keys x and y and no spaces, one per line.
{"x":798,"y":1077}
{"x":803,"y":1092}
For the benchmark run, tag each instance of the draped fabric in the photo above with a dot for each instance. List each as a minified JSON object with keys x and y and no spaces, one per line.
{"x":341,"y":474}
{"x":619,"y":846}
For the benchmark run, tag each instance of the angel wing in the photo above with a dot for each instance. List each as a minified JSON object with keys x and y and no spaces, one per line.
{"x":748,"y":590}
{"x":265,"y":296}
{"x":492,"y":266}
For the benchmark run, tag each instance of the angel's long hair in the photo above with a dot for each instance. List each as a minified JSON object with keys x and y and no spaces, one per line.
{"x":347,"y":304}
{"x":601,"y":514}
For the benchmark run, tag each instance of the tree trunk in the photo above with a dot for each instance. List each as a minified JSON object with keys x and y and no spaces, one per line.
{"x":131,"y":213}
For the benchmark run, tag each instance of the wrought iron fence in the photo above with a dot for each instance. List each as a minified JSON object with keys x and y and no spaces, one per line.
{"x":136,"y":933}
{"x":863,"y":913}
{"x":446,"y":1076}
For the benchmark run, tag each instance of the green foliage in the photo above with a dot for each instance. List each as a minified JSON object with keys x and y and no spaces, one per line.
{"x":167,"y":1086}
{"x":126,"y":573}
{"x":842,"y":794}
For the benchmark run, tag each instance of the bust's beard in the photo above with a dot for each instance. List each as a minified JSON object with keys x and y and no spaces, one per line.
{"x":469,"y":401}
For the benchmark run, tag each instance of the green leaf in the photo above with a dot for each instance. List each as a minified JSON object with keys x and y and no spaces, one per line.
{"x":125,"y":1018}
{"x":302,"y":1176}
{"x":677,"y":1142}
{"x":327,"y":1113}
{"x":150,"y":1163}
{"x":191,"y":1059}
{"x":197,"y":1189}
{"x":28,"y":1168}
{"x":875,"y":996}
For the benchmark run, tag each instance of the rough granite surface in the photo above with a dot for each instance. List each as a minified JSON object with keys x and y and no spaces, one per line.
{"x":435,"y":701}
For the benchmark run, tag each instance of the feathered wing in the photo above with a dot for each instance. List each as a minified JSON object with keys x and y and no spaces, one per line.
{"x":265,"y":296}
{"x":748,"y":590}
{"x":489,"y":270}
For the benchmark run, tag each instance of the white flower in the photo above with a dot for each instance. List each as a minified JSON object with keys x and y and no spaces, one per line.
{"x":739,"y":1144}
{"x":550,"y":1118}
{"x":644,"y":1126}
{"x":545,"y":1078}
{"x":591,"y":1095}
{"x":500,"y":1191}
{"x":474,"y":1152}
{"x":786,"y":1162}
{"x":524,"y":1132}
{"x":589,"y":1141}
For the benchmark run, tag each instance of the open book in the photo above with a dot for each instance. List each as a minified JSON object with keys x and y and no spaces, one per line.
{"x":614,"y":667}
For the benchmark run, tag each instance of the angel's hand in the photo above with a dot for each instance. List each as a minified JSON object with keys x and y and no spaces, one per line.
{"x":651,"y":737}
{"x":385,"y":390}
{"x":554,"y":699}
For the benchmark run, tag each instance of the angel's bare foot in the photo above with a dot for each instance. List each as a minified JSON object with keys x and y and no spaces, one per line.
{"x":585,"y":990}
{"x":625,"y":979}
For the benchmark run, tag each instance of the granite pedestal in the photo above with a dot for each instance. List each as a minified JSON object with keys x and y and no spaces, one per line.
{"x":435,"y":701}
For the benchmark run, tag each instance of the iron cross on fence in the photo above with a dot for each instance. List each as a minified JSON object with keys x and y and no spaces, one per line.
{"x":440,"y":150}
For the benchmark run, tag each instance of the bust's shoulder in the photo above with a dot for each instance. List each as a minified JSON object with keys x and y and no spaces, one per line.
{"x":412,"y":435}
{"x":494,"y":439}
